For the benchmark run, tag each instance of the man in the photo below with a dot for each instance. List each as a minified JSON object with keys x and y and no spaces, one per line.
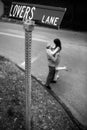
{"x":53,"y":56}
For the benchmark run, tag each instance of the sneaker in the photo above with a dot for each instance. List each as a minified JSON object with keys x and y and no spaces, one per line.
{"x":53,"y":81}
{"x":48,"y":87}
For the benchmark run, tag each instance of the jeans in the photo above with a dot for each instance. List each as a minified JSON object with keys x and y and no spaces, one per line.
{"x":51,"y":75}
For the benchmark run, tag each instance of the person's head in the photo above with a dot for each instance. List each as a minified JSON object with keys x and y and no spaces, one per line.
{"x":57,"y":43}
{"x":51,"y":46}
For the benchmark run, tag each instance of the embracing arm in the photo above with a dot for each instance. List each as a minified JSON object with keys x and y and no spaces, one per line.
{"x":50,"y":53}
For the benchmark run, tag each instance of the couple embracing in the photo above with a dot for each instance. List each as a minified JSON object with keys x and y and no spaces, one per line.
{"x":53,"y":55}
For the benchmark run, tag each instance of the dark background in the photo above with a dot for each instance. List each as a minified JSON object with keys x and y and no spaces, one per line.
{"x":74,"y":18}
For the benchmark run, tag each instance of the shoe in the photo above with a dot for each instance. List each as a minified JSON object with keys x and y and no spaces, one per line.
{"x":48,"y":87}
{"x":53,"y":81}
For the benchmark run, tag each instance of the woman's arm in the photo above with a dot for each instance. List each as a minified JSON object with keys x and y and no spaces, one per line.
{"x":55,"y":51}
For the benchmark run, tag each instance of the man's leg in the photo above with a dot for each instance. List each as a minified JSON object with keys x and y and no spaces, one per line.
{"x":50,"y":76}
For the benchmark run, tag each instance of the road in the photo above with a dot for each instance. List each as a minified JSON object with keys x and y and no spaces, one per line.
{"x":72,"y":85}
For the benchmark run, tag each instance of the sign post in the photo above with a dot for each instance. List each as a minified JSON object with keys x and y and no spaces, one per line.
{"x":28,"y":26}
{"x":44,"y":15}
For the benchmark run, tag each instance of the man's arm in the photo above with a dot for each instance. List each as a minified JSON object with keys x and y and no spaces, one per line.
{"x":50,"y":53}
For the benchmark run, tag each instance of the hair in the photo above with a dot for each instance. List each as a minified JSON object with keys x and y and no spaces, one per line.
{"x":58,"y":43}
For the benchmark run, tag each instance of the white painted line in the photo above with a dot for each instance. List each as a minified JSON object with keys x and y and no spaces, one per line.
{"x":32,"y":61}
{"x":12,"y":35}
{"x":19,"y":36}
{"x":22,"y":64}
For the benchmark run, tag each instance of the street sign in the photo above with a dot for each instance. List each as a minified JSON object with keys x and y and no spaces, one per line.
{"x":43,"y":14}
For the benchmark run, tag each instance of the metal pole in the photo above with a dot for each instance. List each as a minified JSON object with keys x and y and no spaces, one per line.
{"x":28,"y":26}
